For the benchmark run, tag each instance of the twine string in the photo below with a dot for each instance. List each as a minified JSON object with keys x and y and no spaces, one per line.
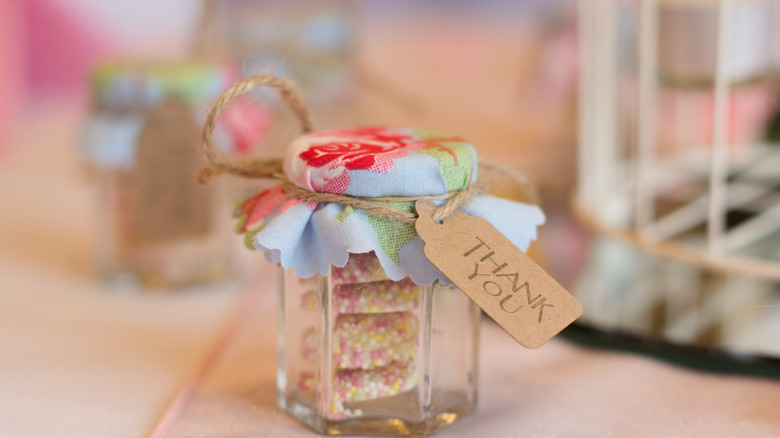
{"x":272,"y":167}
{"x":265,"y":168}
{"x":375,"y":206}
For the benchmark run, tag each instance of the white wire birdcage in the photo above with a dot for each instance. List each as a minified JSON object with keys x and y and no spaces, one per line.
{"x":678,"y":163}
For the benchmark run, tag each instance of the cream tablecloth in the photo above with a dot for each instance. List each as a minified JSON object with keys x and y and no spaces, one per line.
{"x":77,"y":360}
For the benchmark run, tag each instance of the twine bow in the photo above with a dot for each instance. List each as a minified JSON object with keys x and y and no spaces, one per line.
{"x":272,"y":167}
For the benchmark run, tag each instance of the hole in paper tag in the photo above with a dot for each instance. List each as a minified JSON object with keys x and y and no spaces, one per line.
{"x":502,"y":280}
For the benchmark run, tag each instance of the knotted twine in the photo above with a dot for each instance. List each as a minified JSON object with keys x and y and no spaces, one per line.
{"x":272,"y":168}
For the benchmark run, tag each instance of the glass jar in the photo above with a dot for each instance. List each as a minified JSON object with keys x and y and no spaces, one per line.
{"x":373,"y":341}
{"x":158,"y":228}
{"x":361,"y":354}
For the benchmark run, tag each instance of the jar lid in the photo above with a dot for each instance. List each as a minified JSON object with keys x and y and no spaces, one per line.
{"x":371,"y":162}
{"x":130,"y":83}
{"x":379,"y":161}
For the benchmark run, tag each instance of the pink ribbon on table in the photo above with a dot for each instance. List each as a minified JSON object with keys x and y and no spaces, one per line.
{"x":187,"y":389}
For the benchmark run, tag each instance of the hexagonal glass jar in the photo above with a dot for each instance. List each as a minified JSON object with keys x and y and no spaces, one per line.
{"x":364,"y":355}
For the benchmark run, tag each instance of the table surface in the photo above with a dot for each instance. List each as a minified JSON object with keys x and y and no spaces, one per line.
{"x":77,"y":360}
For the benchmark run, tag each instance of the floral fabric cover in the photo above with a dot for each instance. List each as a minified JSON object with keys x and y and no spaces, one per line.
{"x":370,"y":162}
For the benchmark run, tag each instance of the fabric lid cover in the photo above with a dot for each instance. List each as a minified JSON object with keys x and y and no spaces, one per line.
{"x":129,"y":83}
{"x":370,"y":162}
{"x":109,"y":139}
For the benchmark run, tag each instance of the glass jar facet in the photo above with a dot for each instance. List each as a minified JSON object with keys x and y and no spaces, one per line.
{"x":364,"y":355}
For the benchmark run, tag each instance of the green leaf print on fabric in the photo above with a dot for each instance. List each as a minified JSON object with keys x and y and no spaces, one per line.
{"x":393,"y":234}
{"x":454,"y":156}
{"x":249,"y":237}
{"x":348,"y":210}
{"x":241,"y":222}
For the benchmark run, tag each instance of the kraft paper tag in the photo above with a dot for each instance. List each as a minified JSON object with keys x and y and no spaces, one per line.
{"x":518,"y":294}
{"x":169,"y":203}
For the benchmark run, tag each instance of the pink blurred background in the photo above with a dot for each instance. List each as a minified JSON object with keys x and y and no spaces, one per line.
{"x":501,"y":73}
{"x":47,"y":47}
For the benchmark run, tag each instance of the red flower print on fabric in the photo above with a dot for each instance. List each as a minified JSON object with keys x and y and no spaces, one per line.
{"x":357,"y":149}
{"x":255,"y":209}
{"x":333,"y":154}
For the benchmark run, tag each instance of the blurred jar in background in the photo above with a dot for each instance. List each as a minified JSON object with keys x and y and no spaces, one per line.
{"x":158,"y":227}
{"x":308,"y":41}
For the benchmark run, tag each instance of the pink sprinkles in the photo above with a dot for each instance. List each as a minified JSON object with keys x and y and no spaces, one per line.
{"x":374,"y":336}
{"x":360,"y":268}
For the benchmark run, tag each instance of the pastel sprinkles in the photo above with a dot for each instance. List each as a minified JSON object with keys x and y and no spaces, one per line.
{"x":374,"y":335}
{"x":368,"y":341}
{"x":358,"y":385}
{"x":376,"y":297}
{"x":360,"y":268}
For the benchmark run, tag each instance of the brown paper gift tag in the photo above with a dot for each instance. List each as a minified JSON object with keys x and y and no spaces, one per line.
{"x":169,"y":203}
{"x":510,"y":287}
